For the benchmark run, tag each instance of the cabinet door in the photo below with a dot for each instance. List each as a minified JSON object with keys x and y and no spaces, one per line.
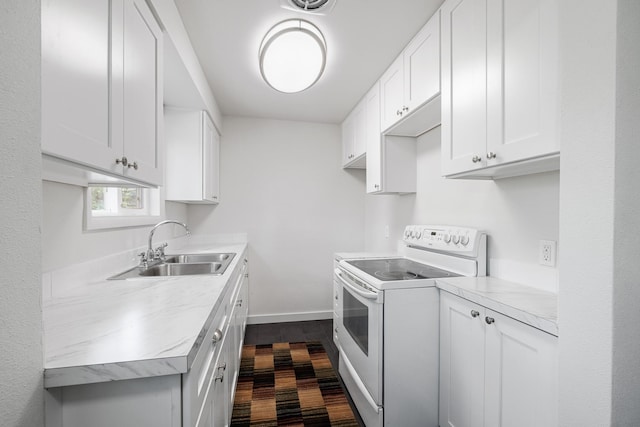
{"x":211,"y":160}
{"x":360,"y":141}
{"x":220,"y":398}
{"x":137,"y":119}
{"x":523,"y":87}
{"x":76,"y":73}
{"x":461,"y":362}
{"x":464,"y":85}
{"x":392,"y":94}
{"x":520,"y":374}
{"x":348,"y":139}
{"x":422,"y":65}
{"x":374,"y":140}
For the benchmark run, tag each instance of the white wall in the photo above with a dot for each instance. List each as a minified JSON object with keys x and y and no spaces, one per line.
{"x":21,"y":393}
{"x":282,"y":183}
{"x":64,"y":242}
{"x":600,"y":215}
{"x":515,"y":212}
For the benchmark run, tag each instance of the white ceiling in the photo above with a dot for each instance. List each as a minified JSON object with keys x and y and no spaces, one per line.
{"x":363,"y":38}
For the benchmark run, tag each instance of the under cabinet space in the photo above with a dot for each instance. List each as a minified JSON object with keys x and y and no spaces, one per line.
{"x":500,"y":85}
{"x":395,"y":171}
{"x":193,"y":157}
{"x":102,"y":101}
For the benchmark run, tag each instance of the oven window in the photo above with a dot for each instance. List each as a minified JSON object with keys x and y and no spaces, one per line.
{"x":356,"y":320}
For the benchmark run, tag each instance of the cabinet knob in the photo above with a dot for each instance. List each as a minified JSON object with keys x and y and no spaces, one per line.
{"x":491,"y":155}
{"x":122,"y":160}
{"x":376,"y":186}
{"x":489,"y":320}
{"x":405,"y":108}
{"x":239,"y":303}
{"x":476,"y":159}
{"x":475,"y":313}
{"x":399,"y":113}
{"x":217,"y":336}
{"x":133,"y":165}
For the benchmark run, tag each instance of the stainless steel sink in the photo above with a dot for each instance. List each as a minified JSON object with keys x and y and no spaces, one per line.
{"x":181,"y":265}
{"x":183,"y":269}
{"x":191,"y":258}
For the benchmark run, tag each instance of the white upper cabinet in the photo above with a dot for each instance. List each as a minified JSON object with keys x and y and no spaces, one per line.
{"x":392,"y":94}
{"x":499,"y":87}
{"x":102,"y":86}
{"x":193,"y":157}
{"x":410,"y":82}
{"x":354,"y":143}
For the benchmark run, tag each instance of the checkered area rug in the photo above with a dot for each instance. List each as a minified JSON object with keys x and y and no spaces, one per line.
{"x":289,"y":384}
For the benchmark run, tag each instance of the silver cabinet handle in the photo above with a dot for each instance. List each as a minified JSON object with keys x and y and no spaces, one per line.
{"x":122,"y":160}
{"x":491,"y":155}
{"x":133,"y":165}
{"x":476,"y":159}
{"x":489,"y":320}
{"x":222,"y":368}
{"x":398,"y":113}
{"x":217,"y":336}
{"x":405,"y":108}
{"x":239,"y":303}
{"x":376,"y":186}
{"x":475,"y":313}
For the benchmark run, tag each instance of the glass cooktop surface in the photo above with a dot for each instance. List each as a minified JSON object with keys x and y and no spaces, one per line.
{"x":389,"y":269}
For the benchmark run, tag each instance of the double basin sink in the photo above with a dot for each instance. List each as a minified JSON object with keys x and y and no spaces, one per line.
{"x":181,"y":265}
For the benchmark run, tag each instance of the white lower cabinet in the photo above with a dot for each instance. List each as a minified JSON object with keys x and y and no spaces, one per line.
{"x":202,"y":397}
{"x":494,"y":371}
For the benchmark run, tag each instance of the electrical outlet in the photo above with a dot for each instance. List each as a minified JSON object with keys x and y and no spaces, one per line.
{"x":547,"y":253}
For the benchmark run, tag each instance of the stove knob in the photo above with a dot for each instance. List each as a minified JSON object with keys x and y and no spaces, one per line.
{"x":455,"y":239}
{"x":418,"y":234}
{"x":406,"y":233}
{"x":447,"y":238}
{"x":464,"y":240}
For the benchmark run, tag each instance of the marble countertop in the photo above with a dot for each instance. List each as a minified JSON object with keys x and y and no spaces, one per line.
{"x":524,"y":303}
{"x":122,"y":329}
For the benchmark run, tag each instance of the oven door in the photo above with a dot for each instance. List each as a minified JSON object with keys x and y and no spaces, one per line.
{"x":360,"y":334}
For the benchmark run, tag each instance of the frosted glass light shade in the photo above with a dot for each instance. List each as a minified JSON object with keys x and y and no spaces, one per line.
{"x":292,"y":56}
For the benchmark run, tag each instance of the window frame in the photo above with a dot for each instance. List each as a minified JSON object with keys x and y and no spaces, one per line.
{"x":151,"y":197}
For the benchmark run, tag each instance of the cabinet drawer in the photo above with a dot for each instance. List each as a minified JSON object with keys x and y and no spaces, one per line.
{"x":195,"y":383}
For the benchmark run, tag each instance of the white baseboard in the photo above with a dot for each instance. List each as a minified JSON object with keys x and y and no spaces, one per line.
{"x":259,"y":319}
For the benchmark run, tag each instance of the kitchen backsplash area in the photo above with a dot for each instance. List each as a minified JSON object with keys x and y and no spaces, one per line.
{"x":515,"y":212}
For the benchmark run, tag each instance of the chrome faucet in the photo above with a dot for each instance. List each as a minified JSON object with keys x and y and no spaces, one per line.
{"x":151,"y":254}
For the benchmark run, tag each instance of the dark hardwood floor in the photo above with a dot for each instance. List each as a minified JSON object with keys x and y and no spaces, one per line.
{"x":313,"y":330}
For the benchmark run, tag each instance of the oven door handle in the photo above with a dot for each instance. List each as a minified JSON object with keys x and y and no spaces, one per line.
{"x":359,"y":291}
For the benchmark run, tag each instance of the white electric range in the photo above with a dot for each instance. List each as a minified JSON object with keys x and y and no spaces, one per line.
{"x":387,"y":322}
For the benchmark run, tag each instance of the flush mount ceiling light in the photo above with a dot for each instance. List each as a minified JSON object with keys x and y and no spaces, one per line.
{"x":293,"y":54}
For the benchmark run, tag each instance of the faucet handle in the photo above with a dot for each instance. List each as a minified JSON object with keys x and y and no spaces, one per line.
{"x":143,"y":258}
{"x":159,"y":251}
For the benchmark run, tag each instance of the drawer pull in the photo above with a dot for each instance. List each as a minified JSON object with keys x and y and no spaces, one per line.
{"x":489,"y":320}
{"x":475,"y":313}
{"x":220,"y":376}
{"x":217,"y":336}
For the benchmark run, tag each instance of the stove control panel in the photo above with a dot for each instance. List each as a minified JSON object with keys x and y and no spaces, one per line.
{"x":460,"y":240}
